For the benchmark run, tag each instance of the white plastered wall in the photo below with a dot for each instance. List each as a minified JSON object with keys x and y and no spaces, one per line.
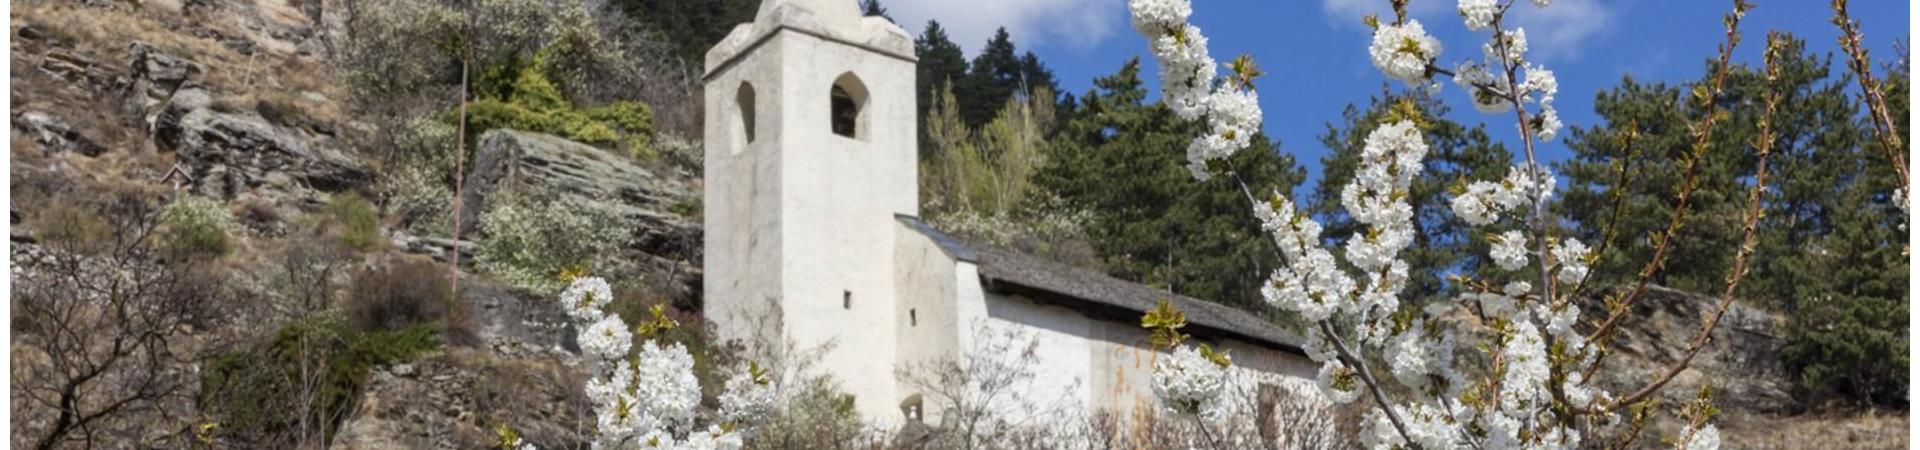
{"x":801,"y":220}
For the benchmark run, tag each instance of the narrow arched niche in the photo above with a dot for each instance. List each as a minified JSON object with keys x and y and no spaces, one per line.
{"x":847,"y":107}
{"x":744,"y":116}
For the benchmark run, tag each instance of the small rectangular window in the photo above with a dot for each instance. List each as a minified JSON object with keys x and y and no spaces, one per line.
{"x":846,"y":300}
{"x":913,"y":317}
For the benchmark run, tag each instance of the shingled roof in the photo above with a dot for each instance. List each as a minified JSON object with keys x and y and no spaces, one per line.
{"x":1095,"y":294}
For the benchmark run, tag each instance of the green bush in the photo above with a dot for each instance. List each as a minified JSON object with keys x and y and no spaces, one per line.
{"x":531,"y":102}
{"x":529,"y":239}
{"x":359,"y":224}
{"x":308,"y":373}
{"x":195,"y":228}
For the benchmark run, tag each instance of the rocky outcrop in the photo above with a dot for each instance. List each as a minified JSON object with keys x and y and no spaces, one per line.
{"x":509,"y":159}
{"x":230,"y":153}
{"x":1742,"y":359}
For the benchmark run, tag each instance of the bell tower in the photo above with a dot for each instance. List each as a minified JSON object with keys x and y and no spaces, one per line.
{"x":810,"y":155}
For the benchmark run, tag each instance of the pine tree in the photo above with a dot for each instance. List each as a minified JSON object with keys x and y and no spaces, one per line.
{"x":872,"y":8}
{"x":1829,"y":253}
{"x":941,"y":67}
{"x":1847,"y":334}
{"x":993,"y":76}
{"x":1443,"y":243}
{"x":1122,"y":158}
{"x":1817,"y":146}
{"x":1656,"y":116}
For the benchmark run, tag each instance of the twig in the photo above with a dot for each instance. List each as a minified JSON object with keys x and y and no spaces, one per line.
{"x":1884,"y":128}
{"x":1703,"y":132}
{"x":1764,"y":145}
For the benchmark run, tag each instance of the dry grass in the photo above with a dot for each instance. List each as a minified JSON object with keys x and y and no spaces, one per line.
{"x":275,"y":70}
{"x":1866,"y":431}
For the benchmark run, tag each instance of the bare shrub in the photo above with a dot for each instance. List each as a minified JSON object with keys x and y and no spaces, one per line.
{"x":102,"y":344}
{"x":979,"y":396}
{"x":403,"y":292}
{"x":306,"y":273}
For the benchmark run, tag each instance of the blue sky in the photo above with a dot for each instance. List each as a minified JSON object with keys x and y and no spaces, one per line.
{"x":1315,"y":50}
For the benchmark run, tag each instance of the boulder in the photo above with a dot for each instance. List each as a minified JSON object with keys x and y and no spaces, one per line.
{"x":509,"y":159}
{"x":1742,"y":359}
{"x":229,"y":153}
{"x":515,"y":322}
{"x":163,"y":72}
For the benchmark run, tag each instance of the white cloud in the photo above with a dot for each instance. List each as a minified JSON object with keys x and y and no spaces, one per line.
{"x":1562,"y":30}
{"x":1068,"y":23}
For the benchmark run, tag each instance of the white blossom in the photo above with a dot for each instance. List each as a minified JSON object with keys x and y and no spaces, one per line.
{"x":1311,"y":283}
{"x":1404,"y":51}
{"x":606,"y":339}
{"x":1151,"y":17}
{"x":1376,"y":197}
{"x":1477,"y":205}
{"x":1338,"y":382}
{"x":1429,"y":426}
{"x":1478,"y":14}
{"x":1541,"y":81}
{"x":650,"y":400}
{"x":1571,"y":255}
{"x":664,"y":383}
{"x":748,"y":399}
{"x":1508,"y":46}
{"x":1517,"y":289}
{"x":1549,"y":124}
{"x":1705,"y":438}
{"x":1509,"y":250}
{"x":585,"y":297}
{"x":1489,"y":93}
{"x":1190,"y":385}
{"x":1187,"y":71}
{"x":1560,"y":319}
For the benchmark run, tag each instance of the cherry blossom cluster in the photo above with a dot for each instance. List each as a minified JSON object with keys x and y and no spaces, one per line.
{"x":1312,"y":284}
{"x":1404,"y":51}
{"x":1703,"y":438}
{"x":1190,"y":85}
{"x":1484,"y":201}
{"x":1188,"y":384}
{"x":647,"y":399}
{"x":1491,"y":83}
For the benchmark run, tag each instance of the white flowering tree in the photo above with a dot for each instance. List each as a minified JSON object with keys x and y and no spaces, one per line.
{"x":1533,"y":387}
{"x":647,"y":398}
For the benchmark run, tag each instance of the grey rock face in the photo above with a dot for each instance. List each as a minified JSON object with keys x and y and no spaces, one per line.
{"x":508,"y":159}
{"x":1742,"y":359}
{"x":55,"y":135}
{"x":228,"y":153}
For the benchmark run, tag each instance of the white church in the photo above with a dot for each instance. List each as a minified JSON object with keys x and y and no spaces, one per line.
{"x":811,"y":206}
